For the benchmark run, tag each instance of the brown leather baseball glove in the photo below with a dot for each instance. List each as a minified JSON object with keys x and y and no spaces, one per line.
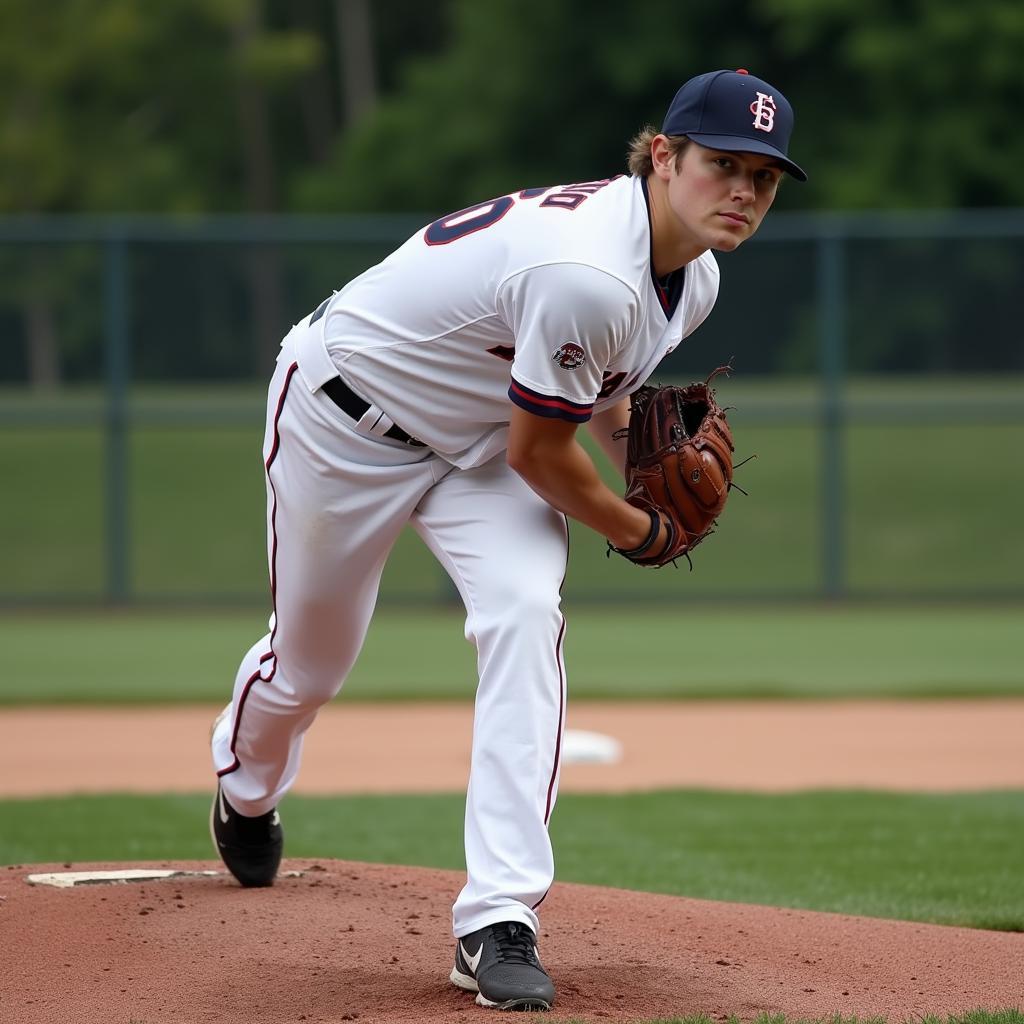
{"x":678,"y":466}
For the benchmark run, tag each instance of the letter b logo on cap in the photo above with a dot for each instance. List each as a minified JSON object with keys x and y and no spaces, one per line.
{"x":714,"y":110}
{"x":763,"y":109}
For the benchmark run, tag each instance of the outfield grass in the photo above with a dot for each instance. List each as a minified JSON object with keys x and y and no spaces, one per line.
{"x":722,"y":651}
{"x":950,"y":858}
{"x":932,"y":503}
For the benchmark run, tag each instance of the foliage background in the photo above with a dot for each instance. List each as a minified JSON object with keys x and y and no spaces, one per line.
{"x":343,"y":105}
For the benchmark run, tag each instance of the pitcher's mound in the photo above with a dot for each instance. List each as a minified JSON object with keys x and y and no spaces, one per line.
{"x":371,"y":943}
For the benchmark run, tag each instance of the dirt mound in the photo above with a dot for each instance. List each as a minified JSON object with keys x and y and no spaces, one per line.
{"x":371,"y":943}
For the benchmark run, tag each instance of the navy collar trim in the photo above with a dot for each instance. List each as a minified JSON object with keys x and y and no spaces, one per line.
{"x":669,"y":288}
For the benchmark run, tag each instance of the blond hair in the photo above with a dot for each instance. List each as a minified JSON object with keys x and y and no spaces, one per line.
{"x":640,"y":162}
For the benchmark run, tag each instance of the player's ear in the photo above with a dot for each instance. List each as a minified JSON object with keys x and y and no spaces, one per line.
{"x":662,"y":157}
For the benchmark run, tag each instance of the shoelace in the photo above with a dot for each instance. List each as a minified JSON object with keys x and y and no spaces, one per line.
{"x":515,"y":944}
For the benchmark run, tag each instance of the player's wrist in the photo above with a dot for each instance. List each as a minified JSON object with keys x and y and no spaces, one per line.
{"x":636,"y":532}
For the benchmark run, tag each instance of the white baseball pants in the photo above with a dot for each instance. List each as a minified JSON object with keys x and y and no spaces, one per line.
{"x":336,"y":501}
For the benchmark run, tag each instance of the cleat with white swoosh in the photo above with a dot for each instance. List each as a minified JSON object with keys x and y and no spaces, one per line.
{"x":500,"y":963}
{"x":250,"y":847}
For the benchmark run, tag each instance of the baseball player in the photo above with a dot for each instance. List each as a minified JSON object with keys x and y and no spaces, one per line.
{"x":443,"y":388}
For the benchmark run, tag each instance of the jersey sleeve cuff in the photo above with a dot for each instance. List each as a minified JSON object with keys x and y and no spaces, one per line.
{"x":551,"y":406}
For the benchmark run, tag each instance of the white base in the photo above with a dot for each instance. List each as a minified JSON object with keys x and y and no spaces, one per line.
{"x":580,"y":747}
{"x":67,"y":879}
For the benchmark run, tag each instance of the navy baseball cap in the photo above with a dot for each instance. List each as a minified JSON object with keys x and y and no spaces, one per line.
{"x":735,"y":112}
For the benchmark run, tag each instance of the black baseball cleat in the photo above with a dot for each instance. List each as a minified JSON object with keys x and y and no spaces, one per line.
{"x":500,"y":964}
{"x":250,"y":847}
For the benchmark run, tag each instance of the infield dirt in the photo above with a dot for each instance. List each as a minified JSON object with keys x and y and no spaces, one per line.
{"x":371,"y":943}
{"x":353,"y":747}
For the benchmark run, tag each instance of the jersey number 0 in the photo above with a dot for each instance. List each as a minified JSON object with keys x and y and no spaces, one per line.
{"x":483,"y":215}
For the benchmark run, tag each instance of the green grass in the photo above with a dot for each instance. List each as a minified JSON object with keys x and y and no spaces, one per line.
{"x":949,"y":858}
{"x":724,"y":651}
{"x":52,"y":532}
{"x":933,"y":504}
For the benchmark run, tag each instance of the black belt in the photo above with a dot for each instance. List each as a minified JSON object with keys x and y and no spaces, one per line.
{"x":349,"y":402}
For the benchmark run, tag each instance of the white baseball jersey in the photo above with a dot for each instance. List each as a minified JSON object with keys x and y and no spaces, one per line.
{"x":545,"y":298}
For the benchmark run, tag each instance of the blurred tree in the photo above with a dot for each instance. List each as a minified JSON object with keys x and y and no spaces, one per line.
{"x":127,"y":105}
{"x":201,"y":105}
{"x":527,"y":92}
{"x":194,"y":106}
{"x":913,"y":104}
{"x":355,"y":44}
{"x":905,"y":104}
{"x":251,"y":53}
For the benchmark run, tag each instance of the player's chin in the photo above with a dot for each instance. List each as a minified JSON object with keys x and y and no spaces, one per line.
{"x":730,"y":235}
{"x":727,"y":241}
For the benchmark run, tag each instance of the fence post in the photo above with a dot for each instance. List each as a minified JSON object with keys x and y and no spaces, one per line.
{"x":115,"y":315}
{"x":832,"y":356}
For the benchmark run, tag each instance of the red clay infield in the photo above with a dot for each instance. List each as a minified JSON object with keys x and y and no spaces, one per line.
{"x":371,"y":943}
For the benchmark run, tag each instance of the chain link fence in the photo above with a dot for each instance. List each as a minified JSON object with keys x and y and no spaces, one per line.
{"x":879,"y":380}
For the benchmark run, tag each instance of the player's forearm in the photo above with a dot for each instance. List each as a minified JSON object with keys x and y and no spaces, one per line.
{"x":566,"y":478}
{"x":605,"y":425}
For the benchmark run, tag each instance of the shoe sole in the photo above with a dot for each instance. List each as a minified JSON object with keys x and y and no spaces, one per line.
{"x":213,"y":808}
{"x":464,"y":981}
{"x":222,"y":714}
{"x":213,"y":834}
{"x":523,"y":1005}
{"x":527,"y":1003}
